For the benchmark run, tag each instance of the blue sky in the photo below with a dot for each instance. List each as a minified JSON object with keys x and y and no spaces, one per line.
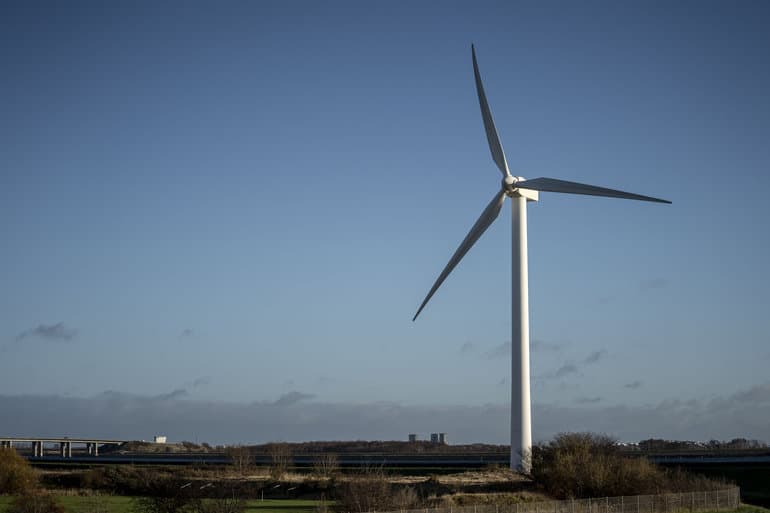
{"x":244,"y":203}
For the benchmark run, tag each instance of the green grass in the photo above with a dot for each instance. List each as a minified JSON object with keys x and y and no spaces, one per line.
{"x":283,"y":506}
{"x":76,"y":504}
{"x":122,"y":504}
{"x":746,"y":508}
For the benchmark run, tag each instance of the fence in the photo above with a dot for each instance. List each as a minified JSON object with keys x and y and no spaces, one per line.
{"x":667,"y":503}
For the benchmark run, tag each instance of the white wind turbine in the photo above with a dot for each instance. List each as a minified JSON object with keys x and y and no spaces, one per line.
{"x":520,"y":191}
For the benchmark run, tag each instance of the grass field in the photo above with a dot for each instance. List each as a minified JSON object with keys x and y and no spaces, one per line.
{"x":121,"y":504}
{"x":745,"y":508}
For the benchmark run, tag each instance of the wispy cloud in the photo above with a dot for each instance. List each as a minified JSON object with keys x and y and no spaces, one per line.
{"x":56,"y":331}
{"x":759,"y":394}
{"x":467,"y":348}
{"x":588,"y":400}
{"x":201,"y":381}
{"x":187,"y":333}
{"x":499,"y":351}
{"x":595,"y":356}
{"x":565,"y":370}
{"x":179,"y":393}
{"x":292,"y":397}
{"x":633,"y":385}
{"x":537,"y":345}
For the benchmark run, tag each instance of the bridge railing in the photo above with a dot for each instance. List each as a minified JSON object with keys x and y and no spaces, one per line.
{"x":728,"y":498}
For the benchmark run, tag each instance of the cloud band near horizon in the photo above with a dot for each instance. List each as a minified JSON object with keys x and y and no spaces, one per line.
{"x":298,"y":417}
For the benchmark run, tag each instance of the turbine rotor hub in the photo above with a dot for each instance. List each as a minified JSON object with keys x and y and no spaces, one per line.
{"x":509,"y":185}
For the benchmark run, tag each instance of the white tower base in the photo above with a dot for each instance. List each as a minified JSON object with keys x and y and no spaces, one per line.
{"x":521,"y":412}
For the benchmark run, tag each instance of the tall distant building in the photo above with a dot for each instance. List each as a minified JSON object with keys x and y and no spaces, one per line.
{"x":438,"y":438}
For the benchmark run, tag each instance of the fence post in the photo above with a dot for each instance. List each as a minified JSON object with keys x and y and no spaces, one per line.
{"x":637,"y":504}
{"x":606,"y":505}
{"x":622,"y":505}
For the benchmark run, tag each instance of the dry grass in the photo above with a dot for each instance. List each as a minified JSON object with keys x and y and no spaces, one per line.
{"x":489,"y":499}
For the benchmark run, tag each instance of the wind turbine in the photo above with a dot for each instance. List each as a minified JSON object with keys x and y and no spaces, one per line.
{"x":520,"y":190}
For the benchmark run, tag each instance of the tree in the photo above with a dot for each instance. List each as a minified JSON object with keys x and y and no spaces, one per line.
{"x":16,"y":474}
{"x":241,"y":458}
{"x":280,"y":459}
{"x":325,"y":464}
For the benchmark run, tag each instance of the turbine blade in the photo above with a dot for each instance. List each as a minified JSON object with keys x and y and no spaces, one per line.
{"x":554,"y":185}
{"x":494,"y":141}
{"x":487,"y":217}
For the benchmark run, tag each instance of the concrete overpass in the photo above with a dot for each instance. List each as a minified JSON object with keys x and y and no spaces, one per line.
{"x":64,"y":444}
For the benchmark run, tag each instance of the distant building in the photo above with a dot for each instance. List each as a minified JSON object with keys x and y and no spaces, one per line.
{"x":159,"y":439}
{"x":412,"y":437}
{"x":438,"y":438}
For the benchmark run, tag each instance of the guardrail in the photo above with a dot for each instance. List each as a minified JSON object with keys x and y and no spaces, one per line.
{"x":728,"y":498}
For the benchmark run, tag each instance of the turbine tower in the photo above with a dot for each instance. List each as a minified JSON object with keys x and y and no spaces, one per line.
{"x":520,"y":190}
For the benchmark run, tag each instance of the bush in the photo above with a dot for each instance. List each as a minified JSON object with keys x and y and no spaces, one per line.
{"x":16,"y":474}
{"x":120,"y":479}
{"x":578,"y":465}
{"x":165,"y":496}
{"x":35,"y":502}
{"x":371,"y":491}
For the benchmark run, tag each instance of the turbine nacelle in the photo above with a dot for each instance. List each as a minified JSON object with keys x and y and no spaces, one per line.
{"x":510,"y":189}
